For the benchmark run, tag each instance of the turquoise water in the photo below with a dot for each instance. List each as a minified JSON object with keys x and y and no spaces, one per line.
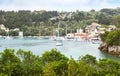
{"x":70,"y":48}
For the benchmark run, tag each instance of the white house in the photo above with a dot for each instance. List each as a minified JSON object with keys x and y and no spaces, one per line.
{"x":70,"y":35}
{"x":111,"y":27}
{"x":20,"y":34}
{"x":2,"y":27}
{"x":16,"y":29}
{"x":79,"y":30}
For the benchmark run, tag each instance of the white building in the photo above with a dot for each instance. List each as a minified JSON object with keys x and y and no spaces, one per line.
{"x":16,"y":29}
{"x":20,"y":34}
{"x":70,"y":35}
{"x":111,"y":27}
{"x":2,"y":27}
{"x":79,"y":30}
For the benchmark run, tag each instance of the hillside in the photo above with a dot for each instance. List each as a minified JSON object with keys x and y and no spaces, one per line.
{"x":45,"y":22}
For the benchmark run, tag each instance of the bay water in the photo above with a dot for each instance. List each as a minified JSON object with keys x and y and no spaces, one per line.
{"x":70,"y":48}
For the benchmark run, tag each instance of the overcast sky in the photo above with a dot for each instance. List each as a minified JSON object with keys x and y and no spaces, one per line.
{"x":58,"y":5}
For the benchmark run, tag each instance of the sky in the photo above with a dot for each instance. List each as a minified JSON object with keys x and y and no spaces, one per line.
{"x":57,"y":5}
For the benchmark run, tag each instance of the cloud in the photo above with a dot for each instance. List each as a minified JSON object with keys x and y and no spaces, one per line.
{"x":59,"y":5}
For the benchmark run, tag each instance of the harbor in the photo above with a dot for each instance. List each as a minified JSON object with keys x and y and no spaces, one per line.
{"x":69,"y":48}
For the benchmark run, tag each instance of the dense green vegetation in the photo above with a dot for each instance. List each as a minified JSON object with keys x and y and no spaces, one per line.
{"x":116,"y":20}
{"x":111,"y":38}
{"x":53,"y":63}
{"x":45,"y":22}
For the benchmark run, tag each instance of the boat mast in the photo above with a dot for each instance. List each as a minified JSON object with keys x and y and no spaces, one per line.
{"x":58,"y":28}
{"x":66,"y":29}
{"x":8,"y":32}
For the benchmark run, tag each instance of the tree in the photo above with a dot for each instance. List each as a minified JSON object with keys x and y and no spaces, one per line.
{"x":13,"y":33}
{"x":92,"y":10}
{"x":104,"y":18}
{"x":109,"y":11}
{"x":3,"y":32}
{"x":78,"y":16}
{"x":53,"y":63}
{"x":53,"y":55}
{"x":104,"y":36}
{"x":48,"y":69}
{"x":107,"y":67}
{"x":113,"y":38}
{"x":85,"y":69}
{"x":116,"y":21}
{"x":59,"y":60}
{"x":89,"y":59}
{"x":31,"y":64}
{"x":9,"y":63}
{"x":72,"y":67}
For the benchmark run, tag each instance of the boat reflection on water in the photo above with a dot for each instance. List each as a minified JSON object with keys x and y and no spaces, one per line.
{"x":96,"y":42}
{"x":7,"y":38}
{"x":59,"y":42}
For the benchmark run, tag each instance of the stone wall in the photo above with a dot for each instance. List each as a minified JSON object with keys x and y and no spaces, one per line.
{"x":103,"y":47}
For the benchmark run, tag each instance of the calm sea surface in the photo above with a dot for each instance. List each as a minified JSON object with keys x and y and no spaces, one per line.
{"x":70,"y":48}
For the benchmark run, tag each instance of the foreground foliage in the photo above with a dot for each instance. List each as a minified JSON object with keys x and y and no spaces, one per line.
{"x":53,"y":63}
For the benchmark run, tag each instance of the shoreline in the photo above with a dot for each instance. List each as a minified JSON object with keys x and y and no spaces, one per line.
{"x":113,"y":50}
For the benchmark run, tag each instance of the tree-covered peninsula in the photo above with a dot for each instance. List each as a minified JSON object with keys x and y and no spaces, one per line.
{"x":111,"y":42}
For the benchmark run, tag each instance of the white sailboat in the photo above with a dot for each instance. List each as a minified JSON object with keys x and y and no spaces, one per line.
{"x":8,"y":37}
{"x":58,"y":39}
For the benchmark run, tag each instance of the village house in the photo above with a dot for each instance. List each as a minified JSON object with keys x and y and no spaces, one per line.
{"x":53,"y":18}
{"x":70,"y":36}
{"x":93,"y":28}
{"x":2,"y":27}
{"x":78,"y":35}
{"x":111,"y":27}
{"x":91,"y":32}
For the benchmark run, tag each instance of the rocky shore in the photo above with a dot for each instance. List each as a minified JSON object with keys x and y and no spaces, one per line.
{"x":115,"y":50}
